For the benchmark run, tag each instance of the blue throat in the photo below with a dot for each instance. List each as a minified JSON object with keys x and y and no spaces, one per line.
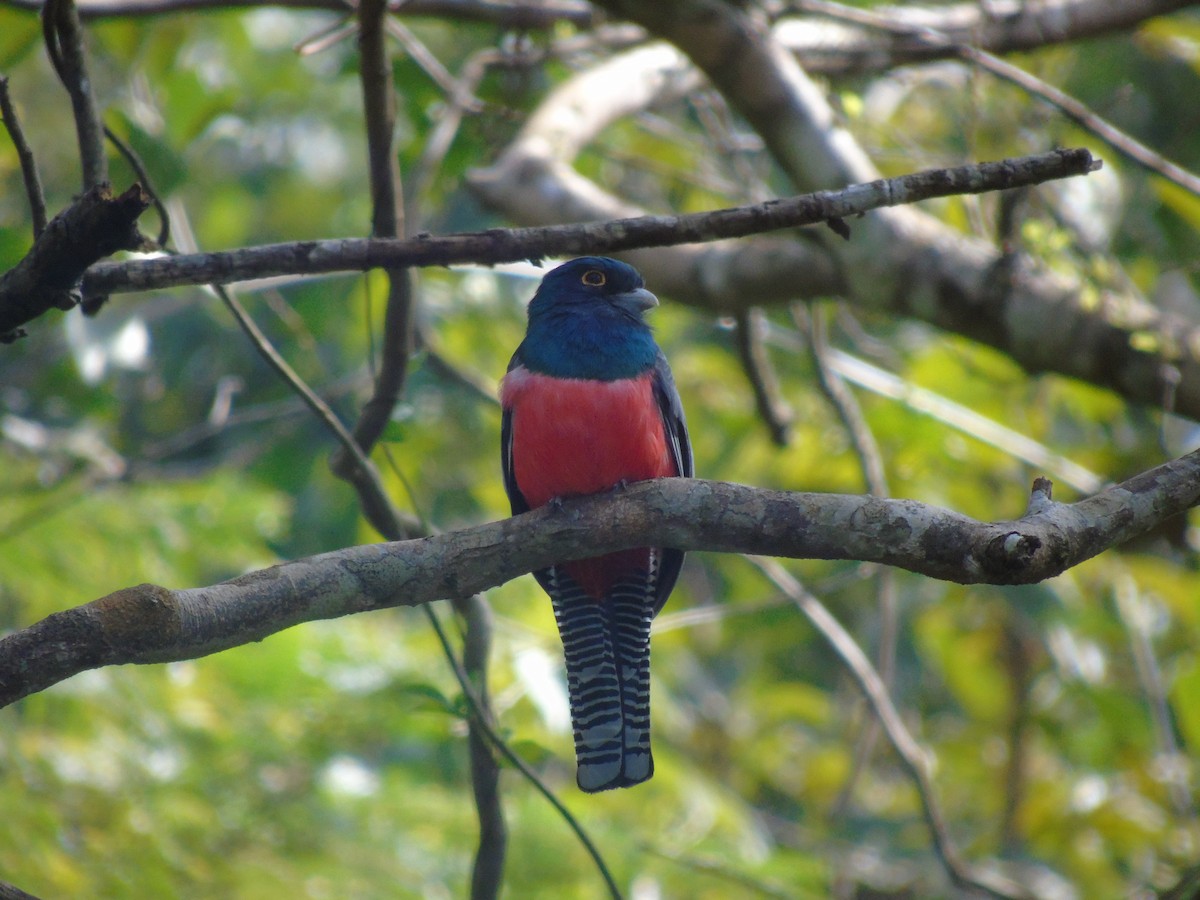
{"x":596,"y":342}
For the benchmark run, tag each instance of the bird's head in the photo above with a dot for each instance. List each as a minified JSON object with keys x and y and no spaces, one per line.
{"x":593,"y":284}
{"x":585,"y":321}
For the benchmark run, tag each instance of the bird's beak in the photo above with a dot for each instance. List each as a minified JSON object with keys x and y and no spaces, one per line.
{"x":640,"y":299}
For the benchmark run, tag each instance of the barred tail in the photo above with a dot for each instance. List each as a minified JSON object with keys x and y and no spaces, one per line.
{"x":607,"y":648}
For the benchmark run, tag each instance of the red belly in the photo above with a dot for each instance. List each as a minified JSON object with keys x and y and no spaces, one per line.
{"x":573,"y":437}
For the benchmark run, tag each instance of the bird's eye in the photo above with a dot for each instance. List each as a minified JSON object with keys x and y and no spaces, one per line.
{"x":594,"y":278}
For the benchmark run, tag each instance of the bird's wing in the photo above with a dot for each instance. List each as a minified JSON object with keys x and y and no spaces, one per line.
{"x":674,"y":423}
{"x":675,"y":429}
{"x":515,"y":498}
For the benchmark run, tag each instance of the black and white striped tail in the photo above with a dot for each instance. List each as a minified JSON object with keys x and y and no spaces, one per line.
{"x":607,"y":648}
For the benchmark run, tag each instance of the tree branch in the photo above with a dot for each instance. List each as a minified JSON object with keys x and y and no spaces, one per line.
{"x":812,"y":321}
{"x":913,"y":757}
{"x":998,"y":26}
{"x":1073,"y":109}
{"x":386,"y":222}
{"x":764,"y":382}
{"x":12,"y":892}
{"x":63,"y":34}
{"x":29,"y":169}
{"x":94,"y":226}
{"x":509,"y":15}
{"x":499,"y":245}
{"x":486,"y":730}
{"x":487,"y":874}
{"x":151,"y":624}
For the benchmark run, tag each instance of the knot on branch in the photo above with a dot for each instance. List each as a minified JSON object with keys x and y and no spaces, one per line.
{"x":145,"y":615}
{"x":96,"y":225}
{"x":1011,"y":557}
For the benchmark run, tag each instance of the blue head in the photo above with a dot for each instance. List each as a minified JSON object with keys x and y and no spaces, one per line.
{"x":585,"y":321}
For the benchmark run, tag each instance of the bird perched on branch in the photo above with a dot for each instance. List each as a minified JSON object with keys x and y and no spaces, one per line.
{"x":589,"y":404}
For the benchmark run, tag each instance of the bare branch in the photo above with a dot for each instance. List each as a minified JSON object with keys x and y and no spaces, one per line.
{"x":64,"y":43}
{"x":772,"y":408}
{"x":360,"y":471}
{"x":812,"y":321}
{"x":150,"y":624}
{"x":910,"y":752}
{"x":386,"y":223}
{"x":1135,"y":617}
{"x":514,"y":15}
{"x":1073,"y":109}
{"x":379,"y":113}
{"x":143,"y":176}
{"x":488,"y":872}
{"x":12,"y":892}
{"x":29,"y":170}
{"x":510,"y":245}
{"x":460,"y":101}
{"x":1019,"y":667}
{"x":502,"y":747}
{"x":998,"y":26}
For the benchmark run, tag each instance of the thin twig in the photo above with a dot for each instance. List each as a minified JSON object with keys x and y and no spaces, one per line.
{"x":365,"y":474}
{"x":273,"y":413}
{"x":479,"y":389}
{"x":379,"y":113}
{"x":441,"y":136}
{"x":29,"y":169}
{"x":812,"y":321}
{"x":386,"y":223}
{"x":501,"y":13}
{"x":476,"y":615}
{"x":139,"y":168}
{"x":912,"y":756}
{"x":487,"y":874}
{"x":722,"y":870}
{"x":523,"y":767}
{"x":429,"y":63}
{"x":1131,"y":608}
{"x":955,"y":415}
{"x":1078,"y":112}
{"x":1073,"y":109}
{"x":772,"y":408}
{"x":326,"y":37}
{"x":378,"y":509}
{"x":63,"y":33}
{"x":1019,"y":667}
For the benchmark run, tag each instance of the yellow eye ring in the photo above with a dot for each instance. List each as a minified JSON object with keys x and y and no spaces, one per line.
{"x":593,"y":278}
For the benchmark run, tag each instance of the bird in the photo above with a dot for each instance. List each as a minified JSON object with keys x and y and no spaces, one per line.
{"x":589,"y":405}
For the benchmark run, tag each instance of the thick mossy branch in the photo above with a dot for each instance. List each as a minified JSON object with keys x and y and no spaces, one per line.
{"x":149,"y":624}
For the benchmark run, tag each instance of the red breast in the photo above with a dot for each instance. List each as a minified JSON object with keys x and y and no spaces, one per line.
{"x":573,"y":437}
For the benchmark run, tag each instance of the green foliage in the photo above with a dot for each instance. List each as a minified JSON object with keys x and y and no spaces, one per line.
{"x":330,"y":760}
